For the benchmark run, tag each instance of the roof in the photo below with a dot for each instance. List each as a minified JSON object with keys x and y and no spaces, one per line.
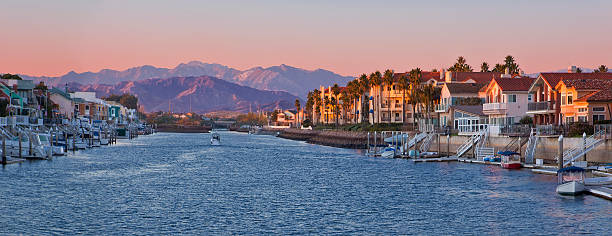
{"x":604,"y":95}
{"x":79,"y":100}
{"x":464,"y":87}
{"x":478,"y":77}
{"x":473,"y":109}
{"x":60,"y":92}
{"x":515,"y":84}
{"x":553,"y":78}
{"x":587,"y":84}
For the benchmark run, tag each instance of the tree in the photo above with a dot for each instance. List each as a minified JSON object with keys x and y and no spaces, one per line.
{"x":601,"y":69}
{"x":427,"y":97}
{"x":309,"y":105}
{"x":484,"y":67}
{"x":336,"y":92}
{"x":326,"y":102}
{"x":404,"y":85}
{"x":526,"y":120}
{"x":297,"y":114}
{"x":499,"y":68}
{"x":10,"y":76}
{"x":578,"y":70}
{"x":511,"y":65}
{"x":364,"y":88}
{"x":376,"y":81}
{"x":316,"y":97}
{"x":388,"y":81}
{"x":127,"y":100}
{"x":345,"y":98}
{"x":415,"y":91}
{"x":460,"y":66}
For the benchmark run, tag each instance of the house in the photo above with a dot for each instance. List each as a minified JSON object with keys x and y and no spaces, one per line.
{"x":546,"y":104}
{"x":453,"y":94}
{"x":286,"y":118}
{"x":63,"y":102}
{"x":468,"y":119}
{"x":327,"y":107}
{"x":584,"y":100}
{"x":506,"y":100}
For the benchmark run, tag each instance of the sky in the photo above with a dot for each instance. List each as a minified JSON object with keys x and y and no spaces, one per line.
{"x":348,"y":37}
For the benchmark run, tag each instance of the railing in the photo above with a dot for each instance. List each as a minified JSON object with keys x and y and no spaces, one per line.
{"x":22,"y":120}
{"x":441,"y":108}
{"x":539,"y":106}
{"x":579,"y":150}
{"x":494,"y":106}
{"x":516,"y":130}
{"x":604,"y":129}
{"x":4,"y":121}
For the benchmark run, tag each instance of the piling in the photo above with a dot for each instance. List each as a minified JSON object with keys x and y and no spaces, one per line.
{"x":448,"y":145}
{"x":20,"y":154}
{"x":3,"y":150}
{"x":375,"y":147}
{"x":66,"y":141}
{"x":584,"y":136}
{"x":29,"y":143}
{"x":73,"y":143}
{"x":560,"y":151}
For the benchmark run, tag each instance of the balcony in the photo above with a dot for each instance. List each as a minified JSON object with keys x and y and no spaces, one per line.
{"x":540,"y":107}
{"x":494,"y":108}
{"x":441,"y":108}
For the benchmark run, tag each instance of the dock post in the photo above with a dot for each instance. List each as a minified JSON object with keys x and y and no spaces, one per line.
{"x":29,"y":143}
{"x":65,"y":141}
{"x":448,"y":145}
{"x":473,"y":149}
{"x":439,"y":152}
{"x":3,"y":150}
{"x":375,"y":151}
{"x":560,"y":151}
{"x":520,"y":151}
{"x":368,"y":143}
{"x":20,"y":154}
{"x":73,"y":143}
{"x":584,"y":145}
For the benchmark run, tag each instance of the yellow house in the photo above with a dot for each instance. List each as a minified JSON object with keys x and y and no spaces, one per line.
{"x":585,"y":100}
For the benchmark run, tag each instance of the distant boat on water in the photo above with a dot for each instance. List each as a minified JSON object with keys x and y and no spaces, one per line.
{"x":215,"y":138}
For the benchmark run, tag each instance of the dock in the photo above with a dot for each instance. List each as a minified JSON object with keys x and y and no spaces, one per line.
{"x":602,"y":192}
{"x":12,"y":160}
{"x":440,"y":159}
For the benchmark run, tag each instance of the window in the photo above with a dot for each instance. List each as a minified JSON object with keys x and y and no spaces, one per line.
{"x":511,"y":98}
{"x":529,"y":97}
{"x":582,"y":119}
{"x":76,"y":107}
{"x":582,"y":109}
{"x":397,"y":115}
{"x":598,"y":117}
{"x":393,"y":87}
{"x":87,"y":107}
{"x":569,"y":119}
{"x":563,"y":99}
{"x":570,"y":100}
{"x":599,"y":109}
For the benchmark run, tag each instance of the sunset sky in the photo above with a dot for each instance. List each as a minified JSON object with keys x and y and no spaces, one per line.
{"x":347,"y":37}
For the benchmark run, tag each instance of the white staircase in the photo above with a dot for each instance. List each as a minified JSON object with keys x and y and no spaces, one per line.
{"x":482,"y":152}
{"x":579,"y":150}
{"x":426,"y":144}
{"x":531,"y":146}
{"x":416,"y":139}
{"x":475,"y":140}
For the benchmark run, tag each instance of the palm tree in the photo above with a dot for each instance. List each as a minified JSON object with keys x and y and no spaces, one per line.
{"x":388,"y":81}
{"x":376,"y":80}
{"x":333,"y":101}
{"x":364,"y":87}
{"x":336,"y":91}
{"x":415,"y":91}
{"x":484,"y":67}
{"x":601,"y":69}
{"x":326,"y":103}
{"x":353,"y":92}
{"x":460,"y":66}
{"x":499,"y":68}
{"x":297,"y":114}
{"x":316,"y":94}
{"x":346,"y":99}
{"x":427,"y":96}
{"x":404,"y":85}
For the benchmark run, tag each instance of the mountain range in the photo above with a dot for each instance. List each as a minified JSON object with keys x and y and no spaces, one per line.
{"x":198,"y":94}
{"x":276,"y":78}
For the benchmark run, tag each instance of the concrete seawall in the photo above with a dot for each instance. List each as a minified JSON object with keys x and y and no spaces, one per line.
{"x":546,"y":148}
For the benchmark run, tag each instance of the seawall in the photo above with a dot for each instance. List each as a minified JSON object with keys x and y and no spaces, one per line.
{"x":343,"y":139}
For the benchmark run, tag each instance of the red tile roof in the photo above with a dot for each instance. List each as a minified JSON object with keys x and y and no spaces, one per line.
{"x":604,"y":95}
{"x":587,"y":84}
{"x":553,"y":78}
{"x":478,"y":77}
{"x":515,"y":84}
{"x":464,"y":87}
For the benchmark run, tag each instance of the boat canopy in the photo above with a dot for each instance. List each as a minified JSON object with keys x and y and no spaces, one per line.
{"x":508,"y":153}
{"x":571,"y":169}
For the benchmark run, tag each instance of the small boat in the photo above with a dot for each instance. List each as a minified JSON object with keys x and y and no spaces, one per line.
{"x":510,"y":160}
{"x":215,"y":139}
{"x":571,"y":181}
{"x":389,"y":152}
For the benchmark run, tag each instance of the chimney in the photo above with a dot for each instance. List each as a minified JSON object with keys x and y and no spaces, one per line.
{"x":448,"y":76}
{"x":506,"y":73}
{"x":571,"y":69}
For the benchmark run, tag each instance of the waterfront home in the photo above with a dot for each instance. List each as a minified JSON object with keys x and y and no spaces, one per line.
{"x":467,"y":119}
{"x":453,"y":94}
{"x":506,"y":100}
{"x":546,"y":104}
{"x":585,"y":100}
{"x":64,"y":105}
{"x":331,"y":104}
{"x":286,"y":117}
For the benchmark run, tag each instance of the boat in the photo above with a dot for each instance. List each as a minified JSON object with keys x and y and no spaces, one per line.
{"x":389,"y":152}
{"x":510,"y":160}
{"x":571,"y":180}
{"x":215,"y":139}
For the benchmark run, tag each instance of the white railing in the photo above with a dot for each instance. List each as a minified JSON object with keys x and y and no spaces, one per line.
{"x":426,"y":144}
{"x":4,"y":121}
{"x":532,"y":143}
{"x":579,"y":150}
{"x":494,"y":106}
{"x":472,"y":141}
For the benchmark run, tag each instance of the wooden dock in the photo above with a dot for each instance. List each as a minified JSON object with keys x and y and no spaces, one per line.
{"x":440,"y":159}
{"x":545,"y":171}
{"x":12,"y":160}
{"x":602,"y":192}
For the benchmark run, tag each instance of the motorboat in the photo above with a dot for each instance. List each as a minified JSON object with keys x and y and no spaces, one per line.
{"x":510,"y":160}
{"x":388,"y":152}
{"x":215,"y":139}
{"x":571,"y":180}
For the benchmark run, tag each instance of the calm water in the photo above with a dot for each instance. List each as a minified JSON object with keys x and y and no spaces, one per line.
{"x":170,"y":183}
